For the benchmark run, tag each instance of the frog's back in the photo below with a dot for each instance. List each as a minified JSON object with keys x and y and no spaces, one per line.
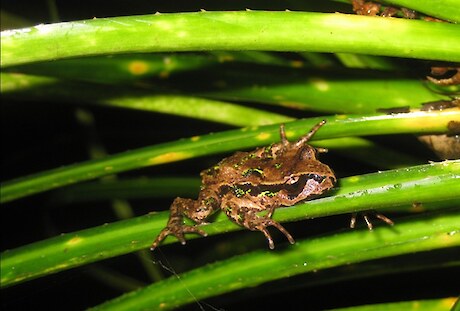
{"x":233,"y":170}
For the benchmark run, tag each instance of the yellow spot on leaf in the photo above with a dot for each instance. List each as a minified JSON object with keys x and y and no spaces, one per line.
{"x":297,"y":64}
{"x":263,"y":136}
{"x":354,"y":179}
{"x":167,"y":61}
{"x":195,"y":138}
{"x":289,"y":133}
{"x":138,"y":67}
{"x":182,"y":34}
{"x":225,"y":58}
{"x":320,"y":84}
{"x":294,"y":105}
{"x":449,"y":302}
{"x":169,"y":157}
{"x":74,"y":241}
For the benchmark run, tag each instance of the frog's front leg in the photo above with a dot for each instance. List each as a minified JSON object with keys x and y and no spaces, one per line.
{"x":249,"y":218}
{"x":193,"y":209}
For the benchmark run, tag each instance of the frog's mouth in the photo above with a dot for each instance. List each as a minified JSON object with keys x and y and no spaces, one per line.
{"x":295,"y":187}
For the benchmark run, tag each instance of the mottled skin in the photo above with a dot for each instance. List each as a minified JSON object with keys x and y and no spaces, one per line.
{"x":446,"y":146}
{"x":439,"y":71}
{"x":361,"y":7}
{"x":247,"y":183}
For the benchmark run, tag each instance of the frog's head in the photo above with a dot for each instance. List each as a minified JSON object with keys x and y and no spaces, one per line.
{"x":311,"y":178}
{"x":304,"y":175}
{"x":293,"y":177}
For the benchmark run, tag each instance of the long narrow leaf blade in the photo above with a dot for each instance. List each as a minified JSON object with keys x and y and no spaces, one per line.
{"x":276,"y":31}
{"x":427,"y":183}
{"x":249,"y":270}
{"x":337,"y":126}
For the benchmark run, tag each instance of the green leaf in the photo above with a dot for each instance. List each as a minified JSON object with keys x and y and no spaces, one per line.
{"x":444,"y":304}
{"x":275,"y":31}
{"x":338,"y":126}
{"x":336,"y":91}
{"x":435,"y":182}
{"x":248,"y":270}
{"x":19,"y":86}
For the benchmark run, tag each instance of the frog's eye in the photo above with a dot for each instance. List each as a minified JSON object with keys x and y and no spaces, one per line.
{"x":316,"y":177}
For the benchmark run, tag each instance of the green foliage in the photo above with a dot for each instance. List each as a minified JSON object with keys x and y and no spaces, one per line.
{"x":224,"y":69}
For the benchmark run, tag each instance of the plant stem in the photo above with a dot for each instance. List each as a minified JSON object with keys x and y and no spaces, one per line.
{"x":275,"y":31}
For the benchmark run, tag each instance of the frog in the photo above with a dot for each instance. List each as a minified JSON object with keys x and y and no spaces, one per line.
{"x":454,"y":78}
{"x":249,"y":186}
{"x":370,"y":8}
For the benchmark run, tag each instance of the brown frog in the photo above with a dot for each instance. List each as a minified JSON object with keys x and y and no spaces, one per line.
{"x":454,"y":78}
{"x":247,"y":183}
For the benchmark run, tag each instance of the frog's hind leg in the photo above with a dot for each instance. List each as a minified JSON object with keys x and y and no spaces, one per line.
{"x":248,"y":217}
{"x":304,"y":139}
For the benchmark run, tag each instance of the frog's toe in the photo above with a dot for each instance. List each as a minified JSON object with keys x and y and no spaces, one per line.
{"x":192,"y":229}
{"x":178,"y":232}
{"x":284,"y":231}
{"x":275,"y":224}
{"x":271,"y":245}
{"x":368,"y":221}
{"x":163,"y":234}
